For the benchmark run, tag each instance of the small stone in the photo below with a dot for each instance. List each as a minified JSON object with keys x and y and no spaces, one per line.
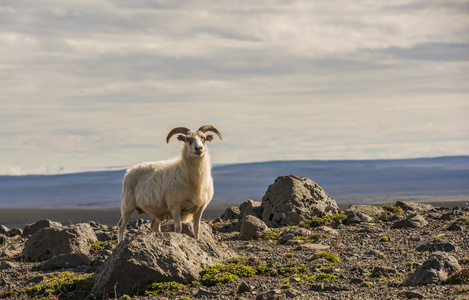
{"x":357,"y":217}
{"x":376,"y":253}
{"x":3,"y":229}
{"x":244,"y":288}
{"x":411,"y":295}
{"x":14,"y":232}
{"x":251,"y":228}
{"x":383,"y":271}
{"x":414,"y":206}
{"x":205,"y":292}
{"x":66,"y":261}
{"x":36,"y":279}
{"x":412,"y":221}
{"x":445,"y":247}
{"x":6,"y":265}
{"x":357,"y":280}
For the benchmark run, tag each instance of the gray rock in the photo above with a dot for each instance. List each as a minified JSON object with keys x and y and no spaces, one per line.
{"x":251,"y":228}
{"x":231,"y":213}
{"x":35,"y":227}
{"x":244,"y":288}
{"x":357,"y":217}
{"x":6,"y":265}
{"x":53,"y":241}
{"x":66,"y":261}
{"x":205,"y":232}
{"x":3,"y":239}
{"x":251,"y":207}
{"x":383,"y":271}
{"x":313,"y":247}
{"x":412,"y":221}
{"x":414,"y":206}
{"x":370,"y":210}
{"x":434,"y":247}
{"x":457,"y":226}
{"x":411,"y":295}
{"x":389,"y":217}
{"x":293,"y":199}
{"x":272,"y":294}
{"x":3,"y":229}
{"x":157,"y":257}
{"x":290,"y":233}
{"x":435,"y":269}
{"x":14,"y":232}
{"x":36,"y":279}
{"x":202,"y":291}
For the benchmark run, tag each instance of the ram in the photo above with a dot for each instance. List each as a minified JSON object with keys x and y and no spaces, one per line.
{"x":179,"y":188}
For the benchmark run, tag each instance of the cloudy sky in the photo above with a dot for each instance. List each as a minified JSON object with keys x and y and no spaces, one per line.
{"x":86,"y":85}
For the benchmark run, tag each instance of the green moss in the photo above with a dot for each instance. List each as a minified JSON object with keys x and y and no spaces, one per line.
{"x":464,"y":220}
{"x":285,"y":287}
{"x":383,"y":239}
{"x":366,"y":284}
{"x":234,"y":268}
{"x":464,"y":260}
{"x":155,"y":288}
{"x":316,"y":277}
{"x":99,"y":245}
{"x":327,"y":256}
{"x":65,"y":284}
{"x":125,"y":297}
{"x":288,"y":255}
{"x":184,"y":298}
{"x":393,"y":209}
{"x":459,"y":277}
{"x":327,"y":220}
{"x":274,"y":235}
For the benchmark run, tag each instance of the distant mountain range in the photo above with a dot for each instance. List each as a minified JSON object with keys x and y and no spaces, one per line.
{"x":348,"y":181}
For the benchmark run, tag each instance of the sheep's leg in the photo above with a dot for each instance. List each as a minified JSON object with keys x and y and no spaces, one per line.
{"x":155,"y":225}
{"x":123,"y":224}
{"x":196,"y":219}
{"x":176,"y":214}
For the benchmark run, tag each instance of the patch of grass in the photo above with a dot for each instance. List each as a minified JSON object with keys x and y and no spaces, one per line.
{"x":65,"y":284}
{"x":327,"y":220}
{"x":99,"y":245}
{"x":234,"y":268}
{"x":155,"y":288}
{"x":393,"y":209}
{"x":316,"y":277}
{"x":459,"y":277}
{"x":274,"y":235}
{"x":464,"y":260}
{"x":327,"y":256}
{"x":383,"y":239}
{"x":464,"y":220}
{"x":366,"y":284}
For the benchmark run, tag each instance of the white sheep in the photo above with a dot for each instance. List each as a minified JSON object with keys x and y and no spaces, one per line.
{"x":178,"y":188}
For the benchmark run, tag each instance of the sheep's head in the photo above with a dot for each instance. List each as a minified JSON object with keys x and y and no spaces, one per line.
{"x":194,"y":140}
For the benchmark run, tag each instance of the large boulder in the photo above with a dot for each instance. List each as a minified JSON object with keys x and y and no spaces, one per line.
{"x":293,"y":199}
{"x":435,"y":269}
{"x":157,"y":257}
{"x":52,"y":241}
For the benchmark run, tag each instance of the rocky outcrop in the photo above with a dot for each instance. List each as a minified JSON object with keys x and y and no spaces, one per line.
{"x":52,"y":241}
{"x":435,"y":269}
{"x":293,"y":199}
{"x":412,"y":221}
{"x":414,"y":206}
{"x":30,"y":229}
{"x":158,"y":257}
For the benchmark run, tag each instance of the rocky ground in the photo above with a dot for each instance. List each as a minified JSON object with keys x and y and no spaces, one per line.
{"x":402,"y":251}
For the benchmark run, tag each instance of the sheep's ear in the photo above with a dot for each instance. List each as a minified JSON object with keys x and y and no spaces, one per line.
{"x":181,"y":138}
{"x":209,"y":137}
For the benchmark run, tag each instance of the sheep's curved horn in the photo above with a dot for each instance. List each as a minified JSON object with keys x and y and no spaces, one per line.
{"x":177,"y":130}
{"x":206,"y":128}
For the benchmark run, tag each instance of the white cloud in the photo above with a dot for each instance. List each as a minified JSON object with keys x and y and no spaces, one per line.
{"x":91,"y":84}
